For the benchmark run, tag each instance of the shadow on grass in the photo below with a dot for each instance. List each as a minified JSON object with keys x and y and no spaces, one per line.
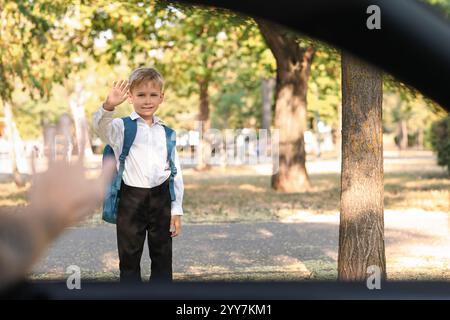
{"x":252,"y":194}
{"x":427,"y":191}
{"x":247,"y":197}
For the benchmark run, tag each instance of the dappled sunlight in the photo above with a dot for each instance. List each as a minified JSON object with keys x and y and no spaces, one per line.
{"x":252,"y":188}
{"x":191,"y":186}
{"x":390,"y":180}
{"x":110,"y":261}
{"x":413,"y":167}
{"x":238,"y":198}
{"x":333,"y":255}
{"x":202,"y":270}
{"x":416,"y":266}
{"x":323,"y":166}
{"x":427,"y":200}
{"x":11,"y":195}
{"x":218,"y":236}
{"x":281,"y":265}
{"x":265,"y":233}
{"x":289,"y":264}
{"x":418,"y":244}
{"x":296,"y":216}
{"x":57,"y":272}
{"x":240,"y":259}
{"x":426,"y":184}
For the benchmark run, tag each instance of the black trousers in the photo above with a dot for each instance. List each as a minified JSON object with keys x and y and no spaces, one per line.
{"x":144,"y":211}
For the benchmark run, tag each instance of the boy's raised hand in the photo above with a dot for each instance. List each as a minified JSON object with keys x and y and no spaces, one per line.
{"x":117,"y":95}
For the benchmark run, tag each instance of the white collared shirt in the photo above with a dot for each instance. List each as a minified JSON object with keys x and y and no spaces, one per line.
{"x":146,"y":165}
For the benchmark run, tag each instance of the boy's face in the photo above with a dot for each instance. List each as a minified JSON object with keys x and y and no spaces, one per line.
{"x":146,"y":98}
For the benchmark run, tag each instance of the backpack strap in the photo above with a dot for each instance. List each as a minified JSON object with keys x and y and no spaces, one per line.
{"x":171,"y":142}
{"x":128,"y":139}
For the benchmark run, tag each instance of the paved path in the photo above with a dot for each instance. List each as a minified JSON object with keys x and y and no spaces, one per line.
{"x":417,"y":242}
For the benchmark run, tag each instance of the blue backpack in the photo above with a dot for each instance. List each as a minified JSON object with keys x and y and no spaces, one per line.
{"x":112,"y":195}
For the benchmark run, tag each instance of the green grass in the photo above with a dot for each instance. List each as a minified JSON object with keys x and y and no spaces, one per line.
{"x":241,"y":195}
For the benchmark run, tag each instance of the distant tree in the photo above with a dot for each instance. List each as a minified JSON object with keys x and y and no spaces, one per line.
{"x":293,"y":71}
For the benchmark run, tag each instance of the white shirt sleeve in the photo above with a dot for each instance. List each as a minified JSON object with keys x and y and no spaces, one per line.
{"x":109,"y":129}
{"x":177,"y":209}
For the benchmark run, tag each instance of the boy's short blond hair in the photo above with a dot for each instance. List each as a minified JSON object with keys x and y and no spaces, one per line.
{"x":143,"y":74}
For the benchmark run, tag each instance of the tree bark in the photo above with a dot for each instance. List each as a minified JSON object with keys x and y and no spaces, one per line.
{"x":267,"y":88}
{"x":204,"y":146}
{"x":293,"y":70}
{"x":361,"y":230}
{"x":339,"y":135}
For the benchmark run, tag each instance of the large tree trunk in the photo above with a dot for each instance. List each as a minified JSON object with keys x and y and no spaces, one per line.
{"x":204,"y":147}
{"x":293,"y":69}
{"x":339,"y":135}
{"x":361,"y":230}
{"x":267,"y":87}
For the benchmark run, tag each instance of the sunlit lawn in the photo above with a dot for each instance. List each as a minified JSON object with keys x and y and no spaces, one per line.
{"x":247,"y":197}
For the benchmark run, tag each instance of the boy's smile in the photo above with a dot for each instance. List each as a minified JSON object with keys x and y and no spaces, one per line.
{"x":146,"y":98}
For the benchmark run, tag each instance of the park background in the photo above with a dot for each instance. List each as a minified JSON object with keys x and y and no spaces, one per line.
{"x":58,"y":60}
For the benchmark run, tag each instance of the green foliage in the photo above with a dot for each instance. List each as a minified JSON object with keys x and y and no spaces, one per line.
{"x":35,"y":46}
{"x":441,"y":6}
{"x":440,"y":140}
{"x":237,"y":107}
{"x":188,"y":45}
{"x":44,"y":43}
{"x":418,"y":111}
{"x":324,"y":86}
